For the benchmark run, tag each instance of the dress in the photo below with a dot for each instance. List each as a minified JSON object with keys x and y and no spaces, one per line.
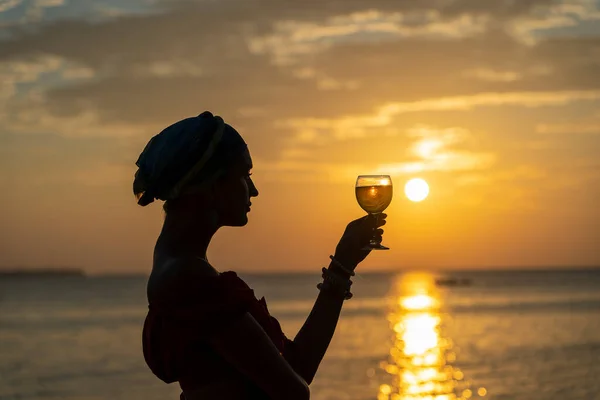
{"x":176,"y":328}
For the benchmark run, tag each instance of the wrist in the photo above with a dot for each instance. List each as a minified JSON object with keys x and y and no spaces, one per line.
{"x":347,"y":264}
{"x":335,"y":284}
{"x":338,"y":271}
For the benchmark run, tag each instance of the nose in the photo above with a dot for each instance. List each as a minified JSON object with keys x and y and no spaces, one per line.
{"x":252,"y":189}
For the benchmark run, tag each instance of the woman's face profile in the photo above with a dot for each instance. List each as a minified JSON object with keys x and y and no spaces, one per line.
{"x":234,"y":191}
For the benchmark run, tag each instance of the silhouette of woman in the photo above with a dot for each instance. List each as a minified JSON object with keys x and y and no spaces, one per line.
{"x":205,"y":329}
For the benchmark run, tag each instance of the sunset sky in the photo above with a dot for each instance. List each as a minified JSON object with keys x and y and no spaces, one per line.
{"x":496,"y":104}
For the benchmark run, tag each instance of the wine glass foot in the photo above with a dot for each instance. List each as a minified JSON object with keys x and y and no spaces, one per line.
{"x":377,"y":246}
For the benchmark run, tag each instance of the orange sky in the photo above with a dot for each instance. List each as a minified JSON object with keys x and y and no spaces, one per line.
{"x":496,"y":104}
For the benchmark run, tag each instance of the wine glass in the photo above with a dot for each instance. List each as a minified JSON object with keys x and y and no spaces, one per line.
{"x":374,"y":194}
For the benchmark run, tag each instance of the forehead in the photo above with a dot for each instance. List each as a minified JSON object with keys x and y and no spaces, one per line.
{"x":246,"y":159}
{"x":243,"y":160}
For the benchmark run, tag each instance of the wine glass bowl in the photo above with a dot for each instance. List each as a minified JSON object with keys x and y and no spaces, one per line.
{"x":374,"y":195}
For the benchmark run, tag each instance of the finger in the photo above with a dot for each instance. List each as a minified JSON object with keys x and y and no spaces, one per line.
{"x":371,"y":218}
{"x":380,"y":216}
{"x":366,"y":235}
{"x":381,"y":223}
{"x":378,"y":232}
{"x":367,"y":222}
{"x":361,"y":220}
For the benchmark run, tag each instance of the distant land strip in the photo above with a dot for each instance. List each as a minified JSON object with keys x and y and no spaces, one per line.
{"x":40,"y":272}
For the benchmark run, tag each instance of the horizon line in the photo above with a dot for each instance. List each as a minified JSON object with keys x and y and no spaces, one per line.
{"x":530,"y":268}
{"x":391,"y":271}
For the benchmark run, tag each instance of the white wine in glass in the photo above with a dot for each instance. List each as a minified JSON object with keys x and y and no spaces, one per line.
{"x":374,"y":195}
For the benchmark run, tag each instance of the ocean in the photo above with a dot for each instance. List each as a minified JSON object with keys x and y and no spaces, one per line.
{"x":411,"y":336}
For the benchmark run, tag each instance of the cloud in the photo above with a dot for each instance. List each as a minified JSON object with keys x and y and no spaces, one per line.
{"x":296,"y":169}
{"x":526,"y":99}
{"x":532,"y":27}
{"x":435,"y":150}
{"x":168,"y":69}
{"x":572,"y":128}
{"x":323,"y":130}
{"x":430,"y":149}
{"x":532,"y":185}
{"x":43,"y":159}
{"x":493,"y":75}
{"x":524,"y":172}
{"x":22,"y":72}
{"x":356,"y":126}
{"x":37,"y":8}
{"x":23,"y":101}
{"x":446,"y":162}
{"x":432,"y":140}
{"x":135,"y":73}
{"x":292,"y":39}
{"x":6,"y":5}
{"x":99,"y":174}
{"x":104,"y":174}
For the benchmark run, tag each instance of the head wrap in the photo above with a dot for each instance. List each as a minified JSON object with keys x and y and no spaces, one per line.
{"x":191,"y":152}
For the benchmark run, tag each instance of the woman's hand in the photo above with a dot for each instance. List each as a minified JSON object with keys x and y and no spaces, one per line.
{"x":350,"y":250}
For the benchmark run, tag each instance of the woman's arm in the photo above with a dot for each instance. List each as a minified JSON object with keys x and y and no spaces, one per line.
{"x":246,"y":346}
{"x":311,"y":342}
{"x":242,"y":342}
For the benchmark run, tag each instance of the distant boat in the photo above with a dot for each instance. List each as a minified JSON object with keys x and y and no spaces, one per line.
{"x":453,"y":282}
{"x":41,"y":272}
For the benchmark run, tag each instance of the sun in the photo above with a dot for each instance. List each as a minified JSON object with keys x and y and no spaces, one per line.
{"x":416,"y":189}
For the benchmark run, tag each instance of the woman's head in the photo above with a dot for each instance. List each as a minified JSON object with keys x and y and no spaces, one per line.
{"x":197,"y":164}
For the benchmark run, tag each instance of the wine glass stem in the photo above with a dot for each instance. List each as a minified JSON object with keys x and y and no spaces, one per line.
{"x":373,"y":241}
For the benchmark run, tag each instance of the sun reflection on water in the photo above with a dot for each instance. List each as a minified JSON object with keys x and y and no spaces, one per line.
{"x":421,"y":358}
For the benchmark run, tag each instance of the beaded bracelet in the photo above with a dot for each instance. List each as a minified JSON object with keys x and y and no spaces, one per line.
{"x":341,"y":266}
{"x":332,"y":281}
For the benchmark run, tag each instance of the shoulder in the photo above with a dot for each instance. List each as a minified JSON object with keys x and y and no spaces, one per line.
{"x":184,"y":266}
{"x":172,"y":274}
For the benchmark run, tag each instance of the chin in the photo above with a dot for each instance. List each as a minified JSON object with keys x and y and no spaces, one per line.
{"x":241,"y":220}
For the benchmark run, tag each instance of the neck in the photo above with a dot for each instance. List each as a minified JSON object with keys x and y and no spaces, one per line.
{"x":185,"y":237}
